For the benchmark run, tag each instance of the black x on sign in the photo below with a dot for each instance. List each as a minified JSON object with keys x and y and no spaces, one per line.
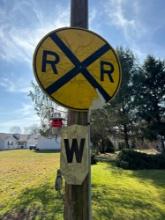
{"x":73,"y":65}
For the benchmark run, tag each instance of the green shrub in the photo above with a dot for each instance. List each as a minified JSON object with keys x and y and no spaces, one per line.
{"x":129,"y":159}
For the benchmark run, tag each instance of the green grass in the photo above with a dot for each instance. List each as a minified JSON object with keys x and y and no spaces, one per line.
{"x":27,"y":190}
{"x":128,"y":195}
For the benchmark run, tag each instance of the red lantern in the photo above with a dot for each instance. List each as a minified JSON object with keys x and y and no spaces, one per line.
{"x":57,"y":122}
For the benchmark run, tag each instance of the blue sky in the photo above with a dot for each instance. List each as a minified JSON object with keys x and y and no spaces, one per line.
{"x":136,"y":24}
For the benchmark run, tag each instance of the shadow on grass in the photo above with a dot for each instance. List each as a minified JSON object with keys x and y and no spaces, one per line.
{"x":118,"y":204}
{"x":37,"y":203}
{"x":157,"y":176}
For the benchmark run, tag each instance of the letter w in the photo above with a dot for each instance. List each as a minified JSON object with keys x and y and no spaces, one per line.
{"x":74,"y":149}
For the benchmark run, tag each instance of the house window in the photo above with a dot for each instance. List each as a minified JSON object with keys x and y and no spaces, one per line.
{"x":10,"y":143}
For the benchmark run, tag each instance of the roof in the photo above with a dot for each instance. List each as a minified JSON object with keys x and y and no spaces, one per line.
{"x":4,"y":136}
{"x":23,"y":137}
{"x":18,"y":137}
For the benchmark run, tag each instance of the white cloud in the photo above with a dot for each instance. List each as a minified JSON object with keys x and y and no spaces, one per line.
{"x":27,"y":110}
{"x":115,"y":10}
{"x":20,"y":34}
{"x":22,"y":123}
{"x":17,"y":41}
{"x":23,"y":117}
{"x":14,"y":85}
{"x":92,"y":15}
{"x":118,"y":16}
{"x":124,"y":15}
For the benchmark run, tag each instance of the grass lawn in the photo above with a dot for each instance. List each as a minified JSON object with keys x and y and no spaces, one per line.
{"x":27,"y":190}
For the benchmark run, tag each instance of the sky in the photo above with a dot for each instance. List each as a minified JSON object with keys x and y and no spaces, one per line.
{"x":135,"y":24}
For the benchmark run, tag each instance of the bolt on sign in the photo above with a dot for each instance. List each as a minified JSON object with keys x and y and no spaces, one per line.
{"x":74,"y":161}
{"x":72,"y":65}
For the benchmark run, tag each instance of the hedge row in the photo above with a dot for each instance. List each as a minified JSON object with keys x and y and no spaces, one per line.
{"x":130,"y":159}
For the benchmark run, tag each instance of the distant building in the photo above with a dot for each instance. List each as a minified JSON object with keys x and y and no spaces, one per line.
{"x":24,"y":141}
{"x":32,"y":140}
{"x":8,"y":141}
{"x":49,"y":143}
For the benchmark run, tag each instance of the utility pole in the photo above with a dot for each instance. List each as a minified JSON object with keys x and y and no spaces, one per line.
{"x":77,"y":198}
{"x":77,"y":201}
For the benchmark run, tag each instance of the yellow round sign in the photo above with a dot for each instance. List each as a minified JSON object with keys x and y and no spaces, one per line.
{"x":73,"y":65}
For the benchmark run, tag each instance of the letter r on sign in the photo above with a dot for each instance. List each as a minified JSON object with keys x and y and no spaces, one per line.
{"x":106,"y":68}
{"x":50,"y":58}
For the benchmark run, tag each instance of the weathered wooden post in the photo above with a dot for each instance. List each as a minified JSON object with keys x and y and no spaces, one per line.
{"x":76,"y":206}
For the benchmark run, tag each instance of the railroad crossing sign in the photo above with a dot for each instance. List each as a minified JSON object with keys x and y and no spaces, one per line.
{"x":74,"y":161}
{"x":72,"y":65}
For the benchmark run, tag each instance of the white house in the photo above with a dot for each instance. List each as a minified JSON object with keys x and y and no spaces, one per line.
{"x":7,"y":141}
{"x":32,"y":140}
{"x":47,"y":143}
{"x":22,"y":141}
{"x":18,"y":141}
